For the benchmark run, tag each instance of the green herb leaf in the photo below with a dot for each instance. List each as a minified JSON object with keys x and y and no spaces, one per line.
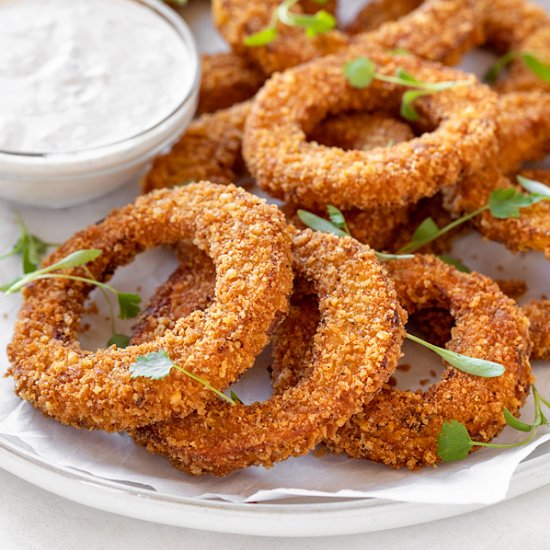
{"x":426,"y":231}
{"x":320,"y":23}
{"x":129,"y":305}
{"x":407,"y":77}
{"x":319,"y":224}
{"x":537,"y":67}
{"x":407,"y":109}
{"x":515,"y":423}
{"x":469,"y":365}
{"x":453,"y":442}
{"x":121,"y":341}
{"x":155,"y":365}
{"x":75,"y":259}
{"x":534,"y":187}
{"x":337,"y":218}
{"x":491,"y":76}
{"x":399,"y":51}
{"x":360,"y":72}
{"x":455,"y":263}
{"x":235,"y":397}
{"x":261,"y":38}
{"x":506,"y":202}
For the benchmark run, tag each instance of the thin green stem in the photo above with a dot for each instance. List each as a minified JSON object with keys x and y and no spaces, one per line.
{"x":418,"y":85}
{"x":206,"y":384}
{"x":79,"y":279}
{"x":414,"y":246}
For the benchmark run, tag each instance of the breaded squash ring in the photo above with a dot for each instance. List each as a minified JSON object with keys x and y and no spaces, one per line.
{"x":209,"y":149}
{"x":400,"y":428}
{"x":285,"y":111}
{"x":250,"y":247}
{"x":529,"y":231}
{"x":356,"y":348}
{"x":439,"y":30}
{"x":538,"y":313}
{"x":227,"y":79}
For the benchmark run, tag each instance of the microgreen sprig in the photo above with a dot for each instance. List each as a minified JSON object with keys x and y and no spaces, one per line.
{"x":533,"y":63}
{"x":30,"y":247}
{"x":338,"y":226}
{"x":158,"y":365}
{"x":318,"y":23}
{"x":454,"y":442}
{"x":129,"y":304}
{"x":361,"y":72}
{"x":503,"y":203}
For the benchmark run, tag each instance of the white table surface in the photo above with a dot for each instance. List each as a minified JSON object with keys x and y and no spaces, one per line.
{"x":32,"y":519}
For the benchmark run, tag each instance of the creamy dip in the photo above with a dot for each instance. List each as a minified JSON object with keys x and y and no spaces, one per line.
{"x":80,"y":74}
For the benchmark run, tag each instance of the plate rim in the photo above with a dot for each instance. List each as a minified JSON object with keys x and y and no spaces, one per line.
{"x":344,"y":517}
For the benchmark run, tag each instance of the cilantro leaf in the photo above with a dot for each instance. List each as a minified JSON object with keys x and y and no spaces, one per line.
{"x":469,"y":365}
{"x":360,"y":72}
{"x":426,"y":231}
{"x":319,"y":224}
{"x":337,"y":218}
{"x":515,"y":423}
{"x":506,"y":202}
{"x":119,"y":340}
{"x":455,"y":263}
{"x":534,"y":187}
{"x":261,"y":38}
{"x":453,"y":442}
{"x":537,"y":67}
{"x":155,"y":365}
{"x":129,"y":305}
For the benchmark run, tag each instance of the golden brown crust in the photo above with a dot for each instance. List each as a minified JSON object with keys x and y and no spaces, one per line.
{"x":227,"y":79}
{"x":361,"y":130}
{"x":250,"y":247}
{"x":356,"y":348}
{"x":439,"y":30}
{"x":400,"y":428}
{"x":538,"y":313}
{"x":209,"y":149}
{"x":286,"y":165}
{"x":529,"y":231}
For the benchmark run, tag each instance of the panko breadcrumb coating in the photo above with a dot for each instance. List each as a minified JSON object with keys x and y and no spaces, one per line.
{"x":250,"y":247}
{"x":285,"y":111}
{"x":400,"y":428}
{"x":438,"y":30}
{"x":209,"y":149}
{"x":361,"y":130}
{"x":356,"y":348}
{"x":538,"y":313}
{"x":227,"y":79}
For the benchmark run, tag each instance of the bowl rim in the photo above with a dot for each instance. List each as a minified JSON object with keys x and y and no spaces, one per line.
{"x":186,"y":36}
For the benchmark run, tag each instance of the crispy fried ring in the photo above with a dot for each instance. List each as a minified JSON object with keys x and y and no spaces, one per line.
{"x":357,"y":345}
{"x":284,"y":164}
{"x":250,"y":247}
{"x":227,"y":79}
{"x":439,"y":30}
{"x":400,"y":428}
{"x":538,"y":313}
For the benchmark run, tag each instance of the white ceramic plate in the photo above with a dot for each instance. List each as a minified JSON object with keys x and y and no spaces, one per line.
{"x":295,"y":518}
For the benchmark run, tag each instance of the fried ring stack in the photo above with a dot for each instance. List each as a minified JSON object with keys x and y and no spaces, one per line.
{"x":356,"y":348}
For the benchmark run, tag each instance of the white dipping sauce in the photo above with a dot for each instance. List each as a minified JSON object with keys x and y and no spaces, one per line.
{"x":80,"y":74}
